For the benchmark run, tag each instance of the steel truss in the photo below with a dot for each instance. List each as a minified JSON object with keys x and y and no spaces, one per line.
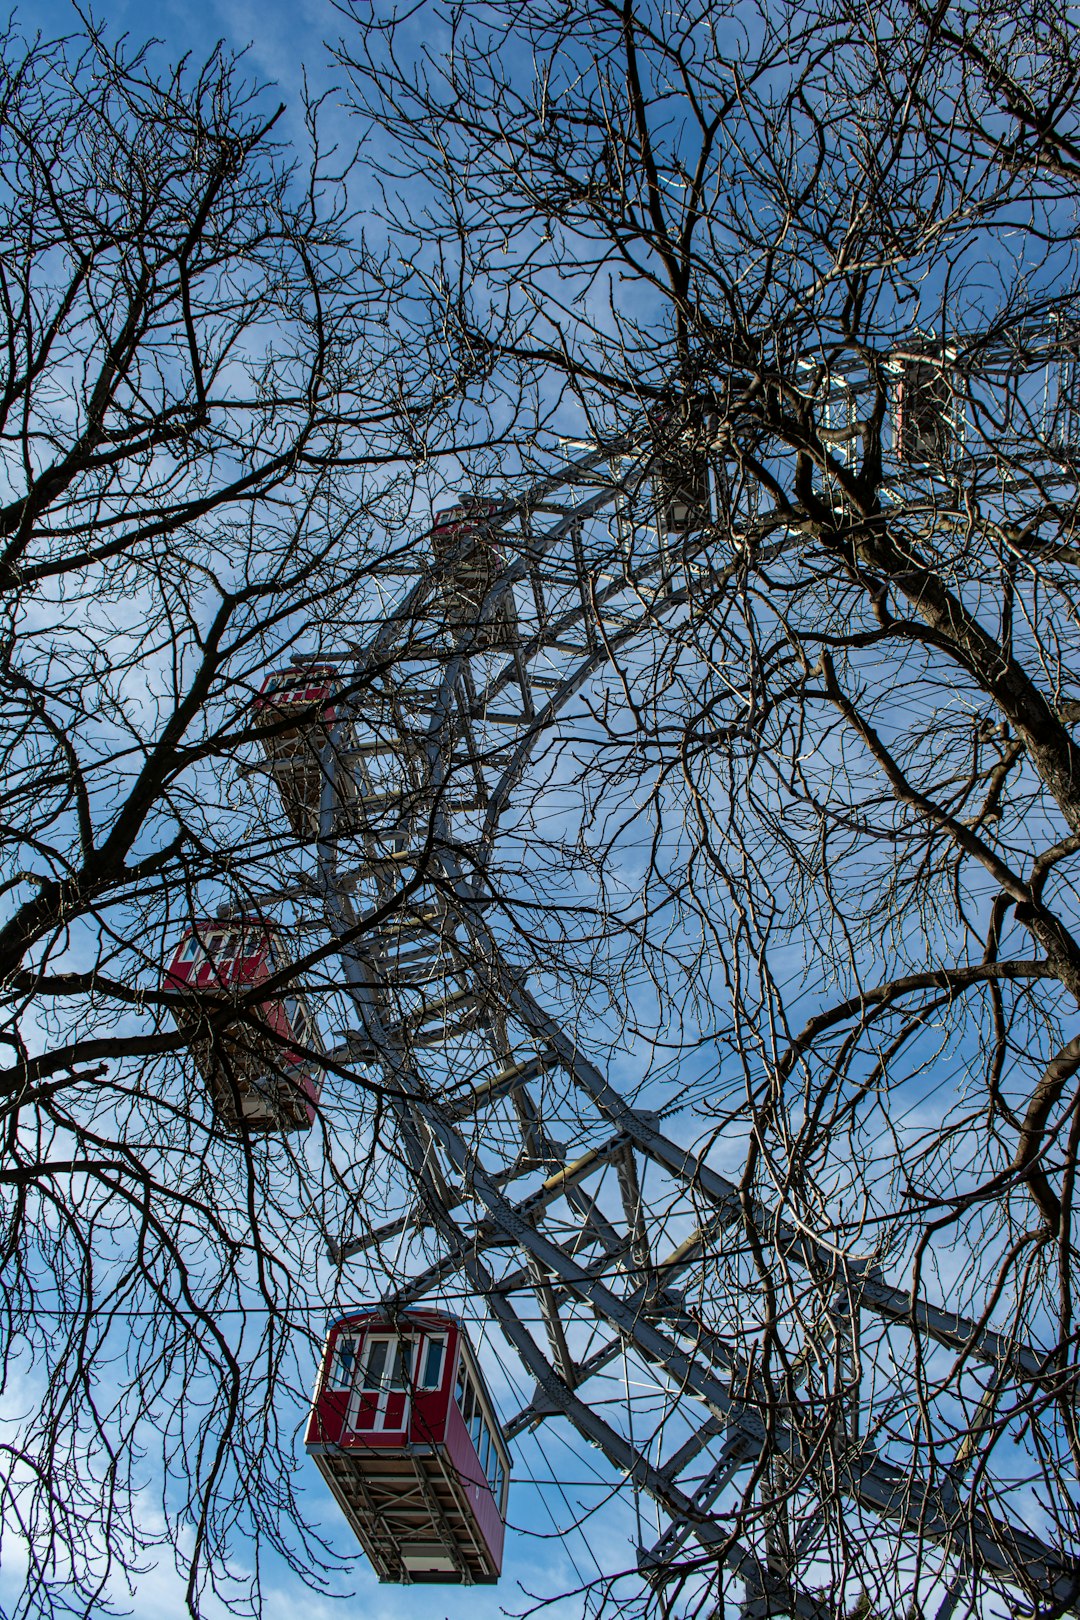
{"x":590,"y":1233}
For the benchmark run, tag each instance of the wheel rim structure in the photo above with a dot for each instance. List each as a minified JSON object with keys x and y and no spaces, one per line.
{"x":582,"y":1249}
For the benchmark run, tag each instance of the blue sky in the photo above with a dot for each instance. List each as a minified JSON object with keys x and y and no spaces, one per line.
{"x":282,"y":39}
{"x":283,"y":42}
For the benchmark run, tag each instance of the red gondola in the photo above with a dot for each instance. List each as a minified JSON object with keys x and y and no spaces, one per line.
{"x":680,"y":476}
{"x":405,"y":1435}
{"x":294,"y":711}
{"x":260,"y":1073}
{"x":474,"y":573}
{"x":683,"y":498}
{"x":924,"y":420}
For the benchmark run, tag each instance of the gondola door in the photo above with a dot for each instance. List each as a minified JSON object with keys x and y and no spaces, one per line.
{"x":381,"y":1402}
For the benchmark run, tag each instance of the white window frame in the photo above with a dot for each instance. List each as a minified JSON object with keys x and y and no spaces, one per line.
{"x":352,"y":1340}
{"x":382,"y":1391}
{"x":427,"y":1342}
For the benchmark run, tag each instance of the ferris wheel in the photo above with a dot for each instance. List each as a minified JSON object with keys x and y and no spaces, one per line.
{"x":608,"y":1251}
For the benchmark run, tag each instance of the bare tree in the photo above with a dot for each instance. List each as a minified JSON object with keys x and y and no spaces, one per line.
{"x":813,"y":274}
{"x":193,"y":397}
{"x":750,"y":776}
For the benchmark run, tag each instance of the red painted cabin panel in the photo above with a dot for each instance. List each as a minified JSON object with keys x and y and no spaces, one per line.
{"x":405,"y":1434}
{"x":294,"y":712}
{"x":257,"y":1081}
